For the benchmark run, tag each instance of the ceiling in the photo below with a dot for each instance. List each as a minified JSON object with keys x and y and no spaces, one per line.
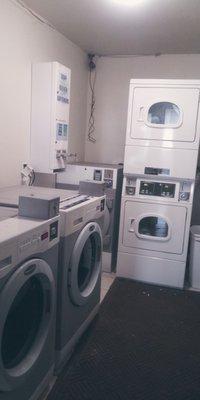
{"x":125,"y":27}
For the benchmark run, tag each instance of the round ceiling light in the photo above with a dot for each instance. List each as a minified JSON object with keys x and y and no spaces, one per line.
{"x":127,"y":2}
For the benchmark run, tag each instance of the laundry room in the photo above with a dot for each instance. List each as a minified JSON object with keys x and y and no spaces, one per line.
{"x":99,"y":200}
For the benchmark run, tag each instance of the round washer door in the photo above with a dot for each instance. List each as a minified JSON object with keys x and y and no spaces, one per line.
{"x":27,"y":304}
{"x":106,"y":223}
{"x":85,"y":264}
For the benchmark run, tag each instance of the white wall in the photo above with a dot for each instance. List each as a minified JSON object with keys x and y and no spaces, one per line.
{"x":112,"y":84}
{"x":24,"y":40}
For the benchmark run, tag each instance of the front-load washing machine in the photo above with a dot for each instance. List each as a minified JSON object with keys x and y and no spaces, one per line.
{"x":111,"y":175}
{"x":28,"y":276}
{"x":154,"y":230}
{"x":79,"y":278}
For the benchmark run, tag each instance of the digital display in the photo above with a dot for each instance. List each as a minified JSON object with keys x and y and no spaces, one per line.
{"x":53,"y":231}
{"x":156,"y":171}
{"x":61,"y":131}
{"x":157,"y":189}
{"x":97,"y":175}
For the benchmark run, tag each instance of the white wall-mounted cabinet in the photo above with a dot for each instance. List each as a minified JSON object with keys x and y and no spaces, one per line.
{"x":50,"y":103}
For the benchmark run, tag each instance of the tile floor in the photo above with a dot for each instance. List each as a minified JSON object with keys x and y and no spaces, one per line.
{"x":106,"y":281}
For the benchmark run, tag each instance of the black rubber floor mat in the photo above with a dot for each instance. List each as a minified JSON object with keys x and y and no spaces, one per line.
{"x":144,"y":345}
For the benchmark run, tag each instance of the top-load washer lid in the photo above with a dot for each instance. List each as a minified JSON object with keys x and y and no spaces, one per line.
{"x":7,"y":212}
{"x":9,"y":196}
{"x":74,"y":201}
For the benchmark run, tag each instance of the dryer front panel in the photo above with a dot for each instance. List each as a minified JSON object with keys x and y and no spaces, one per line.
{"x":163,"y":114}
{"x":156,"y":227}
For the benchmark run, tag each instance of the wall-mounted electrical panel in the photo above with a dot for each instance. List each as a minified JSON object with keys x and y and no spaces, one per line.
{"x":50,"y":103}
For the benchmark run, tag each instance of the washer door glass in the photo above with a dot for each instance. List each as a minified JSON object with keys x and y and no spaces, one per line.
{"x":153,"y":226}
{"x":24,"y":319}
{"x":106,"y":223}
{"x":85,"y":264}
{"x":164,"y":113}
{"x":27,"y":304}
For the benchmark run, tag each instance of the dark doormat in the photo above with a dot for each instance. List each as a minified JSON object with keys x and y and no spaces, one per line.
{"x":145,"y":344}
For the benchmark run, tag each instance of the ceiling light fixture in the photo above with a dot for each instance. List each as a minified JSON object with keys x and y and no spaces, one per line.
{"x":127,"y":2}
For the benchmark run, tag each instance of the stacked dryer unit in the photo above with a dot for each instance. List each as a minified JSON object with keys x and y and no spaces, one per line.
{"x":162,"y":142}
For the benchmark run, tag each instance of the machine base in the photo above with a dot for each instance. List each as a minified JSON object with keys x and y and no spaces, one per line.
{"x":63,"y":355}
{"x":42,"y":389}
{"x":106,"y":262}
{"x":151,"y":269}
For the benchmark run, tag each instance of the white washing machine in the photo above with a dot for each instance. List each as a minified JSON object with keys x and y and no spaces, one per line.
{"x":154,"y":230}
{"x":28,"y":277}
{"x":79,"y":280}
{"x":111,"y":175}
{"x":163,"y":128}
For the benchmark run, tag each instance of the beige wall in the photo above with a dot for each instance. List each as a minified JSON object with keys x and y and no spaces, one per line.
{"x":23,"y":40}
{"x":112,"y":85}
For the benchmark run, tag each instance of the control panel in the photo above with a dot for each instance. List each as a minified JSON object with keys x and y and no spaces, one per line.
{"x":105,"y":175}
{"x":175,"y":191}
{"x":35,"y":240}
{"x":157,"y":189}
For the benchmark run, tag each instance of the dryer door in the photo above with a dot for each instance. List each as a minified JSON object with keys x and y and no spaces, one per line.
{"x":156,"y":227}
{"x":27,"y":305}
{"x":85,"y":264}
{"x":164,"y":114}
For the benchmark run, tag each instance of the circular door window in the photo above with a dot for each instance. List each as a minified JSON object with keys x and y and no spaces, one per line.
{"x":85,"y":264}
{"x":164,"y":113}
{"x":27,"y":304}
{"x":23,"y":320}
{"x":153,"y":226}
{"x":106,"y":228}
